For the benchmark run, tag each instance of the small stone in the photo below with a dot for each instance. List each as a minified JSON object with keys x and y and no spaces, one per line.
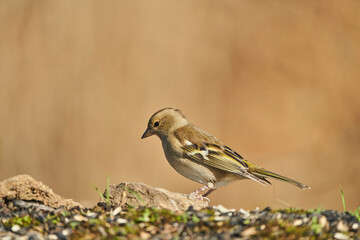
{"x":355,"y":226}
{"x":52,"y":237}
{"x":65,"y":232}
{"x":220,"y":218}
{"x":116,"y":211}
{"x":340,"y":236}
{"x":145,"y":235}
{"x":221,"y":208}
{"x":16,"y":228}
{"x":92,"y":214}
{"x":323,"y":222}
{"x":102,"y":231}
{"x":298,"y":222}
{"x":249,"y":231}
{"x":121,"y":221}
{"x":244,"y":212}
{"x":80,"y":218}
{"x":342,"y":227}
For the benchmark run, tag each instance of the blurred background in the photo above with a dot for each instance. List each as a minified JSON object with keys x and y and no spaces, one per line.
{"x":277,"y":81}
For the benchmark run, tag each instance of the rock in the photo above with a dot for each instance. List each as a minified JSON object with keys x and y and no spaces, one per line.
{"x":298,"y":222}
{"x":342,"y":227}
{"x":249,"y":231}
{"x":340,"y":236}
{"x":324,"y":222}
{"x":80,"y":218}
{"x":139,"y":194}
{"x":16,"y":228}
{"x":355,"y":226}
{"x":26,"y":188}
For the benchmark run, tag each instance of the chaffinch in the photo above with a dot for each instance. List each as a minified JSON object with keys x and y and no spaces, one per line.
{"x":201,"y":157}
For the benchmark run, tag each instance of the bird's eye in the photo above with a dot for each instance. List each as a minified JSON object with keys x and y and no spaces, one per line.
{"x":156,"y":123}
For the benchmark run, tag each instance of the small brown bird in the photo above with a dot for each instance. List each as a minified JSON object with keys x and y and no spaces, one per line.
{"x":201,"y":157}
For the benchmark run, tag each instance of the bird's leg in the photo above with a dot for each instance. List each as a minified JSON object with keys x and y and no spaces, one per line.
{"x":196,"y":194}
{"x":208,"y":192}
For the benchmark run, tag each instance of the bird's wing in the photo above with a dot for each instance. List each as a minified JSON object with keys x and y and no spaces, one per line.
{"x":199,"y":146}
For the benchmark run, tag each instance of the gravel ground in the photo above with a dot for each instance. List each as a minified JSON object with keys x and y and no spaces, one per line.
{"x":31,"y":220}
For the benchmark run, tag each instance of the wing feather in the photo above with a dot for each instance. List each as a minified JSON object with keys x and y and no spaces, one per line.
{"x":202,"y":147}
{"x":217,"y":157}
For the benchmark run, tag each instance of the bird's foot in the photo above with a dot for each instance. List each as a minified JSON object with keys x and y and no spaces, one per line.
{"x":197,"y":196}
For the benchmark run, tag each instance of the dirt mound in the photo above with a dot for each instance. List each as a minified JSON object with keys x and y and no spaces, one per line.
{"x":26,"y":188}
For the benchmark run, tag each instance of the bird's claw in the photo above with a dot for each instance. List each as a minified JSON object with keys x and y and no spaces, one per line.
{"x":197,"y":196}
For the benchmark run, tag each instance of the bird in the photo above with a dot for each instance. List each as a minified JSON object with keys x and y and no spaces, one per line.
{"x":202,"y":157}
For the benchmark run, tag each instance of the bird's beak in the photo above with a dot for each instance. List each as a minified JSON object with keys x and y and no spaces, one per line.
{"x":147,"y":133}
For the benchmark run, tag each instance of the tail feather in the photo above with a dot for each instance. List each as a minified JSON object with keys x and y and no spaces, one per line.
{"x":262,"y":173}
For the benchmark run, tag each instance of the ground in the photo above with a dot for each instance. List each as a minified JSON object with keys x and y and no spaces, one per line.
{"x":133,"y":217}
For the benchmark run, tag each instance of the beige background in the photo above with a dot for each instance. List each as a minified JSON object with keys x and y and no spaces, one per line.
{"x":278,"y":81}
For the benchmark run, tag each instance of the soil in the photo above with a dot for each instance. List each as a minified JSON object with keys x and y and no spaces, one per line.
{"x":31,"y":210}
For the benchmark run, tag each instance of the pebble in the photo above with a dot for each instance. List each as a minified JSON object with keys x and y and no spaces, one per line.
{"x":80,"y":218}
{"x":91,"y":214}
{"x":121,"y":221}
{"x":102,"y":231}
{"x":221,"y":208}
{"x":145,"y":235}
{"x":340,"y":236}
{"x":323,"y":222}
{"x":65,"y":232}
{"x":244,"y":212}
{"x":116,"y":211}
{"x":341,"y":227}
{"x":220,"y":218}
{"x":355,"y":226}
{"x":52,"y":237}
{"x":16,"y":228}
{"x":298,"y":222}
{"x":249,"y":231}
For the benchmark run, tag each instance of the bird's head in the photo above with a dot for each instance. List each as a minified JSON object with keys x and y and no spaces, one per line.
{"x":165,"y":121}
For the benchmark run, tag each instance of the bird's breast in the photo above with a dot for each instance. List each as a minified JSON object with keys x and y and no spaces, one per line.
{"x":189,"y":169}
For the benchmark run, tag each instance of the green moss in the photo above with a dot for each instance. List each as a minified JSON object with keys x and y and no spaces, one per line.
{"x":318,"y":210}
{"x":22,"y":221}
{"x":246,"y":221}
{"x":315,"y":226}
{"x":73,"y":225}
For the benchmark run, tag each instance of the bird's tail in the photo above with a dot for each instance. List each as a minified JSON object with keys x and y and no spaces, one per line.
{"x":262,"y":173}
